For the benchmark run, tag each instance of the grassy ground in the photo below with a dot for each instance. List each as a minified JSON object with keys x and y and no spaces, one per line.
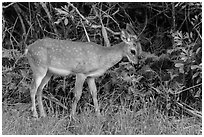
{"x":17,"y":121}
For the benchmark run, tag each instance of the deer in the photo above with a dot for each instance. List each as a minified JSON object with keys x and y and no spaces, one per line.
{"x":86,"y":60}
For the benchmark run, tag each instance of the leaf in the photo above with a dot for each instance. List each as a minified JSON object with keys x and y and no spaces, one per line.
{"x":157,"y":90}
{"x":197,"y":51}
{"x":200,"y":65}
{"x":199,"y":80}
{"x":195,"y":75}
{"x":168,"y":106}
{"x":66,"y":21}
{"x":198,"y":93}
{"x":138,"y":79}
{"x":58,"y":21}
{"x":194,"y":67}
{"x":59,"y":11}
{"x":178,"y":65}
{"x":6,"y":53}
{"x":181,"y":70}
{"x":180,"y":35}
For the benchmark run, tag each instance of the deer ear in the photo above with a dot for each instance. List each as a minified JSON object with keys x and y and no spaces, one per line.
{"x":124,"y":36}
{"x":130,"y":29}
{"x":138,"y":49}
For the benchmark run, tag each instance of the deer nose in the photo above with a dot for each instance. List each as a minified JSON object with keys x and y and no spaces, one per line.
{"x":133,"y":52}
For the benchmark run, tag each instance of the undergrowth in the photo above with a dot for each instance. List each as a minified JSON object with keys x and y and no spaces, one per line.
{"x":17,"y":120}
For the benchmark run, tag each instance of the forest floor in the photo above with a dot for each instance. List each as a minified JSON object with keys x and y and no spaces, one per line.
{"x":17,"y":120}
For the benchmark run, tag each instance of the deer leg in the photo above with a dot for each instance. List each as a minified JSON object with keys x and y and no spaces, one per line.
{"x":93,"y":90}
{"x":80,"y":78}
{"x":40,"y":89}
{"x":36,"y":83}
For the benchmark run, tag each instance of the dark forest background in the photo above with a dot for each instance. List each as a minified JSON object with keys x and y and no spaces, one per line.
{"x":171,"y":31}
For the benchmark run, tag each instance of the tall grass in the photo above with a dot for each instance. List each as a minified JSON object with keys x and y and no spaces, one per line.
{"x":147,"y":121}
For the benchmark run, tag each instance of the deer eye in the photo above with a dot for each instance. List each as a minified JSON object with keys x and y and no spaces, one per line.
{"x":133,"y":52}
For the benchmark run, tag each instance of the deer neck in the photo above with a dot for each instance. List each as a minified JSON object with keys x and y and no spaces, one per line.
{"x":115,"y":54}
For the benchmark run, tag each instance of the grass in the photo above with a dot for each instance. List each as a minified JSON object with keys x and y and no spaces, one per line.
{"x":148,"y":121}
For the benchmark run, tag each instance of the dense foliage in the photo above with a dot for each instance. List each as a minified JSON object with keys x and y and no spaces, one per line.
{"x":170,"y":31}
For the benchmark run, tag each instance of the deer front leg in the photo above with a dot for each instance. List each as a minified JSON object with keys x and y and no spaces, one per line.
{"x":80,"y":78}
{"x":93,"y":90}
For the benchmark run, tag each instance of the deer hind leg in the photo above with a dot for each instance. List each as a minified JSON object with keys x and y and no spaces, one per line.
{"x":39,"y":93}
{"x":36,"y":83}
{"x":80,"y":78}
{"x":38,"y":75}
{"x":93,"y":90}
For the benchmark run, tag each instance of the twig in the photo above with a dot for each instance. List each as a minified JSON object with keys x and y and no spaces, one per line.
{"x":49,"y":16}
{"x":53,"y":99}
{"x":18,"y":11}
{"x":8,"y":5}
{"x":78,"y":12}
{"x":188,"y":89}
{"x":190,"y":111}
{"x":104,"y":32}
{"x":105,"y":35}
{"x":110,"y":17}
{"x":87,"y":36}
{"x":144,"y":26}
{"x":99,"y":26}
{"x":173,"y":16}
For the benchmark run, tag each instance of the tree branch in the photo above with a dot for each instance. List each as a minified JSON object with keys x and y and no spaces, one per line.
{"x":49,"y":16}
